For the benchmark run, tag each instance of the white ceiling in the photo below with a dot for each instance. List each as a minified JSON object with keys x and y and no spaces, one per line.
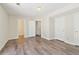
{"x":30,"y":9}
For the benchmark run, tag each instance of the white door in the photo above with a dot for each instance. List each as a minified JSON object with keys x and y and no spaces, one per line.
{"x":60,"y":28}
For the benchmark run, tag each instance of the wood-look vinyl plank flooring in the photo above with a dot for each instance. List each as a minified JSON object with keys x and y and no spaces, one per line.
{"x":39,"y":46}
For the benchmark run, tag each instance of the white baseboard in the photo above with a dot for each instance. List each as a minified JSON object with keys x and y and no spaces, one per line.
{"x":69,"y":42}
{"x":3,"y":45}
{"x":17,"y":37}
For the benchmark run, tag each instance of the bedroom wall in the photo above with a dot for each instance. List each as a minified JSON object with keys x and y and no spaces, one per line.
{"x":29,"y":27}
{"x":66,"y":26}
{"x":3,"y":27}
{"x":45,"y":28}
{"x":13,"y":29}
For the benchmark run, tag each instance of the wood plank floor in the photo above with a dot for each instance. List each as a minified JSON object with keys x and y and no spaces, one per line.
{"x":39,"y":46}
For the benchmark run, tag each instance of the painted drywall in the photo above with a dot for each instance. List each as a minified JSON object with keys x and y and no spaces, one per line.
{"x":3,"y":27}
{"x":51,"y":28}
{"x":68,"y":9}
{"x":59,"y":27}
{"x":66,"y":27}
{"x":26,"y":28}
{"x":45,"y":28}
{"x":29,"y":27}
{"x":76,"y":28}
{"x":69,"y":35}
{"x":13,"y":29}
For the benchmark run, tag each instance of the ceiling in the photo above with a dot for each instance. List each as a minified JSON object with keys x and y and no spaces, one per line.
{"x":30,"y":9}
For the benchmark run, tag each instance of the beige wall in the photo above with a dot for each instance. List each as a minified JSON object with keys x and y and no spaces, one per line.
{"x":45,"y":31}
{"x":3,"y":27}
{"x":66,"y":26}
{"x":29,"y":27}
{"x":13,"y":29}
